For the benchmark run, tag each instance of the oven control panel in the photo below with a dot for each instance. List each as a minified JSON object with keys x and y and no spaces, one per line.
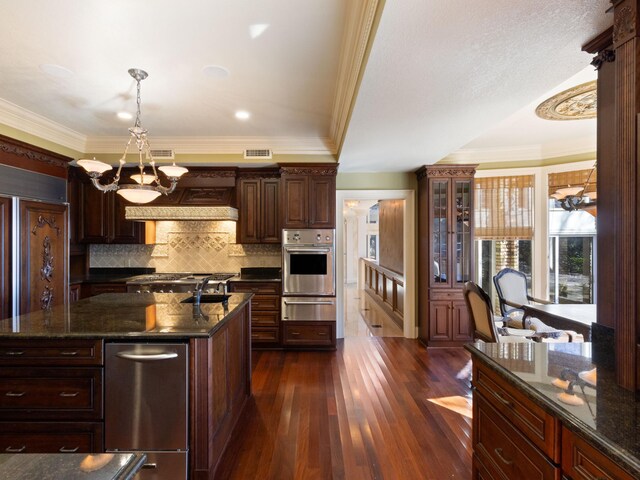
{"x":311,"y":236}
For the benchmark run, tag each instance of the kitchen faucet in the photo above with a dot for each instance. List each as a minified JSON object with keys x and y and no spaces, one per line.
{"x":224,"y":288}
{"x":197,"y":292}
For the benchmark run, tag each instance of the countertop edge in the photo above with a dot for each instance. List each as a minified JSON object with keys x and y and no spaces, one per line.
{"x":133,"y":467}
{"x":627,"y":460}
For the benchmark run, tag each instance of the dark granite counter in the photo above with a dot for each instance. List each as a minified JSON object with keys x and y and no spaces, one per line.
{"x":125,"y":315}
{"x":70,"y":466}
{"x":608,"y":416}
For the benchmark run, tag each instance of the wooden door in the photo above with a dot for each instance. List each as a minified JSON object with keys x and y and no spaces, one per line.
{"x":322,"y":201}
{"x":294,"y":202}
{"x":44,"y":236}
{"x":440,"y":228}
{"x":440,"y":321}
{"x":461,"y":323}
{"x":5,"y":256}
{"x":461,"y":221}
{"x":271,"y":229}
{"x":249,"y":210}
{"x":92,"y":214}
{"x":119,"y":229}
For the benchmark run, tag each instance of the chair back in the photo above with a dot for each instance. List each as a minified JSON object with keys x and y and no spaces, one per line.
{"x":481,"y":312}
{"x":511,"y":286}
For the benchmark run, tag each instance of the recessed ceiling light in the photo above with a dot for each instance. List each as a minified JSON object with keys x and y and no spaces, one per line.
{"x":242,"y":115}
{"x":215,"y":71}
{"x":56,"y":70}
{"x":257,"y":29}
{"x":124,"y":116}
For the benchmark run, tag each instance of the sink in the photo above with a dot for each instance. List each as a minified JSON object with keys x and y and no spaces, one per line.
{"x":208,"y":298}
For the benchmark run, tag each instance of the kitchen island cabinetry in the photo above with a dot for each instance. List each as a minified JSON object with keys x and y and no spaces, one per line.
{"x":258,"y":197}
{"x":265,"y":311}
{"x":308,"y":195}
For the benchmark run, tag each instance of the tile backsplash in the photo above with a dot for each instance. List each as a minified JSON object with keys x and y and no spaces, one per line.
{"x":192,"y":246}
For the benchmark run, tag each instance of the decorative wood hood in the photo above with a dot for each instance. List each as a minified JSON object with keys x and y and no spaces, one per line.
{"x":143,"y":213}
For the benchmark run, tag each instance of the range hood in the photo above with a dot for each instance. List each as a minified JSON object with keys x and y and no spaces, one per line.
{"x":145,"y":213}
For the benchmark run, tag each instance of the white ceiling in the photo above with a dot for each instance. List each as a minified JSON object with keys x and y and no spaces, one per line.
{"x":439,"y":75}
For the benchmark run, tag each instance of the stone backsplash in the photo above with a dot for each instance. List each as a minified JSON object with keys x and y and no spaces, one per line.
{"x":192,"y":246}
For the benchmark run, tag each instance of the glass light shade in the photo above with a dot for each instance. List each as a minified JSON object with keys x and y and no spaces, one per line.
{"x":144,"y":179}
{"x":138,"y":194}
{"x":94,"y":165}
{"x":566,"y":191}
{"x":589,"y":376}
{"x":173,"y":170}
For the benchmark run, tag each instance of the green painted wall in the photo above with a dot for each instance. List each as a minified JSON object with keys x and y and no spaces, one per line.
{"x":376,"y":181}
{"x":38,"y":142}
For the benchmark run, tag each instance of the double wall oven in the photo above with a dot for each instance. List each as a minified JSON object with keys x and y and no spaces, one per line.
{"x":308,"y":275}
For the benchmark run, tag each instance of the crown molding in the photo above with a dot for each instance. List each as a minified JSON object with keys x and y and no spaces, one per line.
{"x":221,"y":145}
{"x":22,"y":119}
{"x":522,"y":153}
{"x":355,"y":43}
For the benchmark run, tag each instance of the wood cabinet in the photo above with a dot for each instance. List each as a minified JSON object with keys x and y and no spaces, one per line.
{"x":308,"y":195}
{"x":265,"y":311}
{"x":5,"y":257}
{"x":309,"y":334}
{"x":51,"y":395}
{"x":93,"y":289}
{"x":258,"y":198}
{"x":75,"y":292}
{"x":445,"y":253}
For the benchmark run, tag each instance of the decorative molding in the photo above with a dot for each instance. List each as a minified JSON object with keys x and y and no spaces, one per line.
{"x":46,"y":272}
{"x":180,"y":213}
{"x":447,"y":171}
{"x":605,"y":56}
{"x":575,"y":103}
{"x":20,"y":149}
{"x":624,"y":25}
{"x":211,"y":173}
{"x":328,"y":170}
{"x":22,"y":119}
{"x":357,"y":37}
{"x":46,"y":298}
{"x":41,"y":222}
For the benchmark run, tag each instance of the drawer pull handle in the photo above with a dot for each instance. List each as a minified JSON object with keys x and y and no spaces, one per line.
{"x":15,"y":353}
{"x":322,"y":333}
{"x":295,"y":333}
{"x":503,"y":400}
{"x":10,"y":449}
{"x":150,"y":465}
{"x":15,"y":394}
{"x":68,"y":450}
{"x":67,"y":394}
{"x":72,"y":353}
{"x":501,"y":457}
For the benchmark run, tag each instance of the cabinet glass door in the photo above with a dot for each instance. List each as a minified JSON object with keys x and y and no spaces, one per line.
{"x":462,"y":225}
{"x":439,"y":231}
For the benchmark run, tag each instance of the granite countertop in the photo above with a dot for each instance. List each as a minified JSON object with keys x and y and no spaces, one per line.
{"x":609,"y":415}
{"x":70,"y":466}
{"x":125,"y":315}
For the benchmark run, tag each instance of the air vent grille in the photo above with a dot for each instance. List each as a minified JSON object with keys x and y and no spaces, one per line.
{"x":166,"y":154}
{"x":257,"y":153}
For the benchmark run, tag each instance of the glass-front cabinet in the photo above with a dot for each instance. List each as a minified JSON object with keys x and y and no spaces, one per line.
{"x":445,"y":254}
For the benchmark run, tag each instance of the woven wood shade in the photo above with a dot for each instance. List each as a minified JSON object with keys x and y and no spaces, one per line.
{"x":504,"y":207}
{"x":575,"y":178}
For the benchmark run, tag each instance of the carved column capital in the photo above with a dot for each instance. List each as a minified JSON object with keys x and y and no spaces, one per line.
{"x":605,"y":56}
{"x":625,"y":21}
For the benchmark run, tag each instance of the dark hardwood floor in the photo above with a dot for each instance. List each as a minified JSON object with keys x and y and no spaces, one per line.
{"x":377,"y":408}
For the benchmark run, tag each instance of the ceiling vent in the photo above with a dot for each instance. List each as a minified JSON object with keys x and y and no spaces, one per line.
{"x":166,"y":154}
{"x":257,"y":153}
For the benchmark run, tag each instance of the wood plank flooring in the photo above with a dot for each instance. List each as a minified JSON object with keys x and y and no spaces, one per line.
{"x":377,"y":408}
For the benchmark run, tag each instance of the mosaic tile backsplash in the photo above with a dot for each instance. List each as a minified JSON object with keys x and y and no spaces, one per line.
{"x":193,"y":246}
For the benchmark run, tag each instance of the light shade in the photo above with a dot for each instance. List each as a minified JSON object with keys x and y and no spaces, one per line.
{"x":94,"y":166}
{"x":138,"y":193}
{"x":567,"y":191}
{"x":144,"y":179}
{"x":173,"y":170}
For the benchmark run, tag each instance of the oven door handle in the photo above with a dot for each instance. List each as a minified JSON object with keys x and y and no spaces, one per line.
{"x":325,"y":302}
{"x":313,"y":250}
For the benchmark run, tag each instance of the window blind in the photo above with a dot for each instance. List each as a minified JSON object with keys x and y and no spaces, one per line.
{"x":504,"y":207}
{"x":575,"y":178}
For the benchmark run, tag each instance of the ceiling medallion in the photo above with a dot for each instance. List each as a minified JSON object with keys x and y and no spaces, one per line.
{"x":576,"y":103}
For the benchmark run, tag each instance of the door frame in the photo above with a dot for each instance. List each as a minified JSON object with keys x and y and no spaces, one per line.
{"x":409,"y":233}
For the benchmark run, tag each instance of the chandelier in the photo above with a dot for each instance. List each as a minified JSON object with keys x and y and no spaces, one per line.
{"x":147,"y":186}
{"x":577,"y":198}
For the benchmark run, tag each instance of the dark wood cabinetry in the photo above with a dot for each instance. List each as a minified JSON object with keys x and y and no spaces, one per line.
{"x":265,"y":311}
{"x":445,"y":253}
{"x":308,"y":196}
{"x":258,"y":198}
{"x":51,"y":395}
{"x":5,"y":257}
{"x":309,"y":334}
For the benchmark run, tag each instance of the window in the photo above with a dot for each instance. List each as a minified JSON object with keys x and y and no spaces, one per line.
{"x":571,"y":272}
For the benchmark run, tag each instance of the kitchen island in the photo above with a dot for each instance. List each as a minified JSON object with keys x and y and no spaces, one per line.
{"x":52,"y":364}
{"x":540,"y":410}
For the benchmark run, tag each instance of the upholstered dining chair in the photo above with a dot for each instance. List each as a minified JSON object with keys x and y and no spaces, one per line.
{"x":511,"y":286}
{"x":481,"y":313}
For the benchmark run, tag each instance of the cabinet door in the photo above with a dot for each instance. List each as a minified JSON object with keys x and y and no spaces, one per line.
{"x":121,"y":230}
{"x":461,"y":221}
{"x":461,"y":324}
{"x":270,"y":216}
{"x":92,"y":214}
{"x":5,"y":259}
{"x":440,"y":321}
{"x":294,"y":202}
{"x":439,"y":219}
{"x":44,"y":240}
{"x":249,"y":210}
{"x":322,"y":201}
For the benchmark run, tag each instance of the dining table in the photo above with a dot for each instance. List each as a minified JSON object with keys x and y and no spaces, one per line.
{"x":565,"y":316}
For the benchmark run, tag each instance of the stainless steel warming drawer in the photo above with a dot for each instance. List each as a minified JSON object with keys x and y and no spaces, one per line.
{"x":309,"y":309}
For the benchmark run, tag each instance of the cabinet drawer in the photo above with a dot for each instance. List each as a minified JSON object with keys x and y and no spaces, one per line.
{"x":265,"y":302}
{"x":537,"y":425}
{"x":582,"y":461}
{"x":264,"y":335}
{"x":98,"y":288}
{"x":446,"y":295}
{"x":50,"y":393}
{"x":310,"y":335}
{"x":269,"y":288}
{"x":504,"y":449}
{"x":51,"y":437}
{"x":51,"y":352}
{"x":268,"y":319}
